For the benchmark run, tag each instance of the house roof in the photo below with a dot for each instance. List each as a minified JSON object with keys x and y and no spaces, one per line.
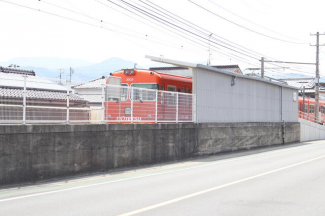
{"x":183,"y":71}
{"x":33,"y":82}
{"x":96,"y":83}
{"x":308,"y":83}
{"x":17,"y":71}
{"x":38,"y":94}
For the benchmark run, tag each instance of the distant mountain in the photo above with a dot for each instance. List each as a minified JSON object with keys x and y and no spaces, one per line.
{"x":103,"y":68}
{"x":83,"y":70}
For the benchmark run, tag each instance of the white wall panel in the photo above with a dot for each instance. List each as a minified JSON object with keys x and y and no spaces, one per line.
{"x":249,"y":100}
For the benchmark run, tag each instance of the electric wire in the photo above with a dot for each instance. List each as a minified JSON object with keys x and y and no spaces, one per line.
{"x":277,"y":65}
{"x":240,"y":59}
{"x":75,"y":20}
{"x":229,"y":11}
{"x":176,"y":26}
{"x":243,"y":26}
{"x":182,"y":35}
{"x":103,"y":21}
{"x":251,"y":51}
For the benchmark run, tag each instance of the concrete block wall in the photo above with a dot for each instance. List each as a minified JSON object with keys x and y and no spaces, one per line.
{"x":30,"y":153}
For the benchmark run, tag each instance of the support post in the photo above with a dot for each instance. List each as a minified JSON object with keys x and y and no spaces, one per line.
{"x":262,"y":67}
{"x":132,"y":97}
{"x":194,"y":108}
{"x":282,"y":119}
{"x":68,"y":102}
{"x":303,"y":102}
{"x":103,"y":104}
{"x":24,"y":99}
{"x":316,"y":119}
{"x":156,"y":110}
{"x":176,"y":107}
{"x":317,"y":81}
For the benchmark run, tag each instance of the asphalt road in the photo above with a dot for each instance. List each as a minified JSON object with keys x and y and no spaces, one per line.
{"x":285,"y":180}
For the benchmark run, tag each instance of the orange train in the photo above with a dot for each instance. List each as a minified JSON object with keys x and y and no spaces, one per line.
{"x":149,"y":105}
{"x":308,"y":112}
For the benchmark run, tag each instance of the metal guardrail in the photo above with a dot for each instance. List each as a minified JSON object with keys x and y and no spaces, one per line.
{"x":30,"y":100}
{"x":311,"y":117}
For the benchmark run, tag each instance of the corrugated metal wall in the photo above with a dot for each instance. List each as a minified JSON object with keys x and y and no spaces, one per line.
{"x":248,"y":100}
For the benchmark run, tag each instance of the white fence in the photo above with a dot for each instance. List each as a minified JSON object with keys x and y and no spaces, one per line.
{"x":28,"y":100}
{"x":130,"y":104}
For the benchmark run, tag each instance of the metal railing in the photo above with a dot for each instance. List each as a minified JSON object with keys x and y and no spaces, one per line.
{"x":130,"y":104}
{"x":311,"y":117}
{"x":30,"y":100}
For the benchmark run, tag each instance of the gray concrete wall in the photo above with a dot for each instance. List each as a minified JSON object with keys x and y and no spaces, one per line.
{"x":311,"y":131}
{"x":30,"y":153}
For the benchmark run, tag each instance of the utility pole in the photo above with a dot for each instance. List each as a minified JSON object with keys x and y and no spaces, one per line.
{"x":209,"y":57}
{"x":71,"y":72}
{"x":61,"y":74}
{"x":262,"y":67}
{"x":317,"y":77}
{"x":303,"y":102}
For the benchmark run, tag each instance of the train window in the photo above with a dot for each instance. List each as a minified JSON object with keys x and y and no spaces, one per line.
{"x":162,"y":87}
{"x":311,"y":109}
{"x":141,"y":92}
{"x":124,"y":92}
{"x":322,"y":109}
{"x":183,"y":89}
{"x":171,"y":88}
{"x":116,"y":93}
{"x":171,"y":97}
{"x":145,"y":85}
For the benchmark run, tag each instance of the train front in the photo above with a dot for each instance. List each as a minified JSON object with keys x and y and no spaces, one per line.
{"x":130,"y":96}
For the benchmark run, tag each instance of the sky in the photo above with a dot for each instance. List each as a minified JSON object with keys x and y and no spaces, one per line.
{"x":96,"y":30}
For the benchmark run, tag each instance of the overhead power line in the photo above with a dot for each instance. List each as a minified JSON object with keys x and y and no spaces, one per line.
{"x":229,"y":11}
{"x":206,"y":40}
{"x":290,"y":62}
{"x":243,"y":26}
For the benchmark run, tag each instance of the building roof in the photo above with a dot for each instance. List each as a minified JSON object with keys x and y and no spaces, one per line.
{"x":17,"y":71}
{"x":33,"y":82}
{"x":217,"y":70}
{"x":38,"y":94}
{"x":96,"y":83}
{"x":183,"y":71}
{"x":308,"y":83}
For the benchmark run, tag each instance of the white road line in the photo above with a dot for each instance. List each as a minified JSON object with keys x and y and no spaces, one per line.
{"x":215,"y":188}
{"x":160,"y":173}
